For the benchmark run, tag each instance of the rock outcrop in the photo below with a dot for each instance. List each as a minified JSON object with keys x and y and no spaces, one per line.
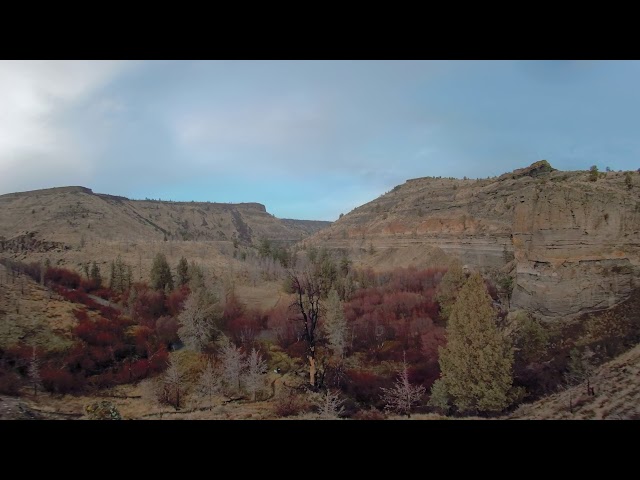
{"x":574,"y":244}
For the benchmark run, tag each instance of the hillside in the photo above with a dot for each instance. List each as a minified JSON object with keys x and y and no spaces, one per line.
{"x":65,"y":215}
{"x":616,"y":395}
{"x":70,"y":226}
{"x":570,"y":244}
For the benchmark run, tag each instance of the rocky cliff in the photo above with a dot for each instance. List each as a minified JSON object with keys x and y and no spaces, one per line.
{"x":570,"y":244}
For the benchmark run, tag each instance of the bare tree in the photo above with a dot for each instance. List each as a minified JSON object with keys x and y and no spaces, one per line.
{"x":34,"y":372}
{"x":233,"y":364}
{"x":403,"y":396}
{"x":308,"y":289}
{"x":173,"y":379}
{"x":208,"y":383}
{"x":197,"y":320}
{"x":254,"y":378}
{"x":330,"y":405}
{"x":335,"y":325}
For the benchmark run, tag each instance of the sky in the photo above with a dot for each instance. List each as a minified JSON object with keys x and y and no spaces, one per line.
{"x":309,"y":139}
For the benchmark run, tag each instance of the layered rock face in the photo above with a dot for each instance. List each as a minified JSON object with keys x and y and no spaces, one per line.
{"x":574,"y":244}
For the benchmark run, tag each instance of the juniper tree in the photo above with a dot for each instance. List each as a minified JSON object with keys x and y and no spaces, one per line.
{"x":95,"y":274}
{"x":476,"y":363}
{"x":161,"y":273}
{"x":182,"y":272}
{"x":449,"y":287}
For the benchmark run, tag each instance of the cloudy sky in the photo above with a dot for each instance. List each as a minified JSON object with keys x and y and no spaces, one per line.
{"x":309,"y":139}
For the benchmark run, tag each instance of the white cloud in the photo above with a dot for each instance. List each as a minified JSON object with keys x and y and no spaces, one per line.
{"x":33,"y":95}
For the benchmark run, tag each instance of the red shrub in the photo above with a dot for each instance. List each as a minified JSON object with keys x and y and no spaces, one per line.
{"x":424,"y":373}
{"x":88,"y":285}
{"x":139,"y":369}
{"x":233,"y":308}
{"x":149,"y":305}
{"x":167,"y":329}
{"x":59,"y":380}
{"x":63,"y":277}
{"x":175,"y":300}
{"x":365,"y":386}
{"x":81,"y":315}
{"x":158,"y":361}
{"x":105,"y":293}
{"x":245,"y":327}
{"x":280,"y":320}
{"x":9,"y":382}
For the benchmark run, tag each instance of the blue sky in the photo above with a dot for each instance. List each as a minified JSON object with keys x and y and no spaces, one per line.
{"x":309,"y":139}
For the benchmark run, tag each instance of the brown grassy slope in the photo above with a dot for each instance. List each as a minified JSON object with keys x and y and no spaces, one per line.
{"x":69,"y":214}
{"x":617,"y":395}
{"x":71,"y":226}
{"x":35,"y":317}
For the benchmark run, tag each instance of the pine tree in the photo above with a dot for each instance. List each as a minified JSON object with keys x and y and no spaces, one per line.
{"x":182,"y":271}
{"x":161,"y":273}
{"x":335,"y":324}
{"x":95,"y":275}
{"x":477,"y":361}
{"x":121,"y":275}
{"x":449,"y":288}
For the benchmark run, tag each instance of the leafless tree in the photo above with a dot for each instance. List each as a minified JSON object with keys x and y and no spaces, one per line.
{"x":34,"y":372}
{"x":254,"y":377}
{"x":335,"y":325}
{"x":233,"y":364}
{"x":308,"y":289}
{"x":208,"y":383}
{"x":173,"y":379}
{"x":402,"y":396}
{"x":197,"y":320}
{"x":330,"y":405}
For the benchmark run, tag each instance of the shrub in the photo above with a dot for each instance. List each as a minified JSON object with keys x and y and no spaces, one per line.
{"x":290,"y":404}
{"x":60,"y":381}
{"x":9,"y":382}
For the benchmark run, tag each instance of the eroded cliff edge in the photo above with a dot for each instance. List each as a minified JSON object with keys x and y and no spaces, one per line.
{"x":571,"y":244}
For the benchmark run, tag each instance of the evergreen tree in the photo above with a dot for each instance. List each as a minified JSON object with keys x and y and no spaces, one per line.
{"x":121,"y":274}
{"x":95,"y":274}
{"x":161,"y":273}
{"x":182,"y":271}
{"x":477,"y":361}
{"x":449,"y":288}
